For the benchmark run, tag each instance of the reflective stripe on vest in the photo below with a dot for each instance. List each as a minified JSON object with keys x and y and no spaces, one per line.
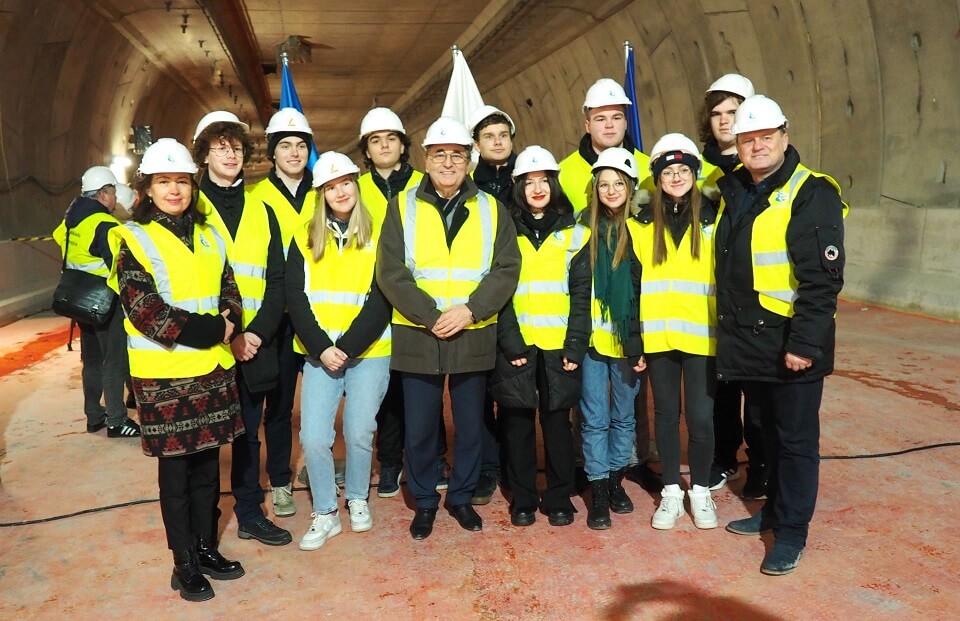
{"x":374,"y":199}
{"x":773,"y":277}
{"x":288,"y":218}
{"x":542,"y":299}
{"x":448,"y":275}
{"x":338,"y":286}
{"x":81,"y":236}
{"x":247,"y":252}
{"x":678,"y":304}
{"x":186,"y":280}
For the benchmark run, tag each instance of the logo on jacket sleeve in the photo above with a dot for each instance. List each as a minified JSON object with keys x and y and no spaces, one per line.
{"x":831,"y":253}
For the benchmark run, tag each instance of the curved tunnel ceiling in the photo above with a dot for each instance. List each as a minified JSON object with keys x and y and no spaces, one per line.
{"x":869,"y":87}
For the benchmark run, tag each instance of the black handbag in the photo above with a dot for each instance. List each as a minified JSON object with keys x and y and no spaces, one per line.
{"x":82,"y":296}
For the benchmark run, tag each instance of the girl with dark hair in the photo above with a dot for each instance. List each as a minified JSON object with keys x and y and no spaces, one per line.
{"x":542,"y":336}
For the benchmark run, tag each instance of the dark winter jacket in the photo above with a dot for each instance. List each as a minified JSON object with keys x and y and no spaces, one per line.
{"x":417,"y":350}
{"x":517,"y":386}
{"x":496,"y":180}
{"x":752,"y":341}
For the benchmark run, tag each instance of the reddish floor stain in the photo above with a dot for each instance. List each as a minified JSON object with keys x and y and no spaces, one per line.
{"x":33,"y":352}
{"x":901,"y":387}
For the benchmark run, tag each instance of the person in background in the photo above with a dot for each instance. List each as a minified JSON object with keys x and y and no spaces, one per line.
{"x":342,"y":322}
{"x":448,"y":262}
{"x":255,"y":249}
{"x":385,"y":149}
{"x":674,"y":241}
{"x":542,"y":335}
{"x":182,"y":307}
{"x":780,"y":260}
{"x":612,"y":366}
{"x":720,"y":104}
{"x":493,"y":132}
{"x":82,"y":237}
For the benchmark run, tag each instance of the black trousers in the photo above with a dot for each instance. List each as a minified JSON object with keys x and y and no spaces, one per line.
{"x":790,"y":422}
{"x":729,"y":432}
{"x":520,"y":442}
{"x":390,"y":427}
{"x":697,"y":374}
{"x":189,"y":493}
{"x":273,"y":411}
{"x":423,"y":404}
{"x":492,"y":453}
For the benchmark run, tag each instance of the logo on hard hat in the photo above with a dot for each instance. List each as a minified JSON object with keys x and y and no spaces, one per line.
{"x":170,"y":158}
{"x":291,"y":122}
{"x":443,"y":132}
{"x":751,"y":115}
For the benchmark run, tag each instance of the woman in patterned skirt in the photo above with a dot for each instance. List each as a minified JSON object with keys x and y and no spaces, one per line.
{"x":182,"y":306}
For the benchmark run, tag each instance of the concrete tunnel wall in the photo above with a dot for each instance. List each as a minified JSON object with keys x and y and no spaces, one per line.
{"x":870,"y":88}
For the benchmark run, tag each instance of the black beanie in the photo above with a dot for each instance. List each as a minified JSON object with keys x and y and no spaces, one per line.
{"x":275,"y":139}
{"x":674,"y":157}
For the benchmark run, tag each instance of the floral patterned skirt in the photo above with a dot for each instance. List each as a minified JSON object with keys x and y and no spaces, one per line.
{"x":186,"y":415}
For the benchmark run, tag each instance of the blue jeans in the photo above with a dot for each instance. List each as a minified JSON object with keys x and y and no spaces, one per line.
{"x":610,"y":386}
{"x":364,"y":381}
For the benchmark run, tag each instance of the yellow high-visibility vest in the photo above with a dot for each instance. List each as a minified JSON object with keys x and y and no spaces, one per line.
{"x":187,"y":280}
{"x":604,"y":337}
{"x":773,"y":277}
{"x":576,"y":178}
{"x":338,"y":286}
{"x":678,"y":303}
{"x":374,"y":199}
{"x":81,"y":236}
{"x":448,"y":275}
{"x":542,"y":299}
{"x":247,"y":252}
{"x":287,"y":217}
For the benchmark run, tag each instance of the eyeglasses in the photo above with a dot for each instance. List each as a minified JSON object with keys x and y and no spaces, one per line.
{"x":616,"y":186}
{"x":683,"y":173}
{"x":457,"y":157}
{"x":224,"y":150}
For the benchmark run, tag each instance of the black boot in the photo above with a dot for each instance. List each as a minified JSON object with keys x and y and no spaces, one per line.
{"x":598,"y":514}
{"x":187,"y":578}
{"x":212,"y":562}
{"x":619,"y":501}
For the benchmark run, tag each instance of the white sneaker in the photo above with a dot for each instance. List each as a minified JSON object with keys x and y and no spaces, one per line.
{"x":360,"y":518}
{"x":283,"y":505}
{"x":670,"y":509}
{"x":702,"y":507}
{"x":325,"y":526}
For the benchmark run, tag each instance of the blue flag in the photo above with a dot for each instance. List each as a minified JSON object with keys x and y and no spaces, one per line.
{"x":633,"y":112}
{"x":289,"y":99}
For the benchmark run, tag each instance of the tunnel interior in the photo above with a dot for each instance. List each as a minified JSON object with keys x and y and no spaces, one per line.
{"x":869,"y":87}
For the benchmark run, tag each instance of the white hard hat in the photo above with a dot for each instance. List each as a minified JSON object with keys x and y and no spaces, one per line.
{"x":97,"y":177}
{"x":288,"y":120}
{"x":126,"y":196}
{"x":733,"y":83}
{"x":673,"y":142}
{"x":381,"y":120}
{"x":532,"y":159}
{"x":483,"y":112}
{"x":619,"y":158}
{"x":167,"y":155}
{"x":605,"y":92}
{"x":757,"y":112}
{"x":447,"y":130}
{"x":218,"y":116}
{"x":331,"y":165}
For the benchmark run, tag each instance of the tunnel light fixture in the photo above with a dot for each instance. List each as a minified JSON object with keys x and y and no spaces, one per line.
{"x":119,"y":165}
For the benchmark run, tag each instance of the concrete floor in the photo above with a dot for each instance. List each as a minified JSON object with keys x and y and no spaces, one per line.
{"x":883,"y":544}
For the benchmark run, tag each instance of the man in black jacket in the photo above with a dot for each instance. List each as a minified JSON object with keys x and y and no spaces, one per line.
{"x":780,"y":257}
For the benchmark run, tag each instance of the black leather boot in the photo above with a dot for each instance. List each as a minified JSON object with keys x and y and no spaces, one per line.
{"x":598,"y":514}
{"x":212,"y":563}
{"x":187,"y":578}
{"x":619,"y":501}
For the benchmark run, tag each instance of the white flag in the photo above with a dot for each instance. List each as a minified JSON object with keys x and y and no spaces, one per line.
{"x":463,"y":96}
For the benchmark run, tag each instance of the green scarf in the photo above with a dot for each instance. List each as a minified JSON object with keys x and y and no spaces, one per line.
{"x":614,"y":287}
